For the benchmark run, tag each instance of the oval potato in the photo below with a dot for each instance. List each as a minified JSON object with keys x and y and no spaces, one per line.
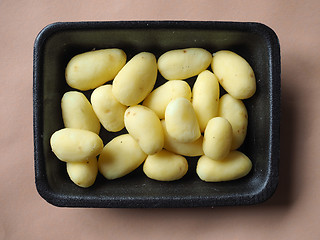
{"x":145,"y":127}
{"x":75,"y":145}
{"x":92,"y":69}
{"x":234,"y":73}
{"x":159,"y":98}
{"x":83,"y":174}
{"x":217,"y":138}
{"x":183,"y":63}
{"x":205,"y":98}
{"x":181,"y":121}
{"x":236,"y":113}
{"x":120,"y":156}
{"x":109,"y":111}
{"x":234,"y":166}
{"x":136,"y":79}
{"x":165,"y":166}
{"x":77,"y":112}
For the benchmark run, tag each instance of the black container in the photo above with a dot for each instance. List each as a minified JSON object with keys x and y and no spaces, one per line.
{"x":57,"y":43}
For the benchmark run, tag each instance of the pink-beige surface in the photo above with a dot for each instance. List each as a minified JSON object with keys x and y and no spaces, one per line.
{"x":293,"y":211}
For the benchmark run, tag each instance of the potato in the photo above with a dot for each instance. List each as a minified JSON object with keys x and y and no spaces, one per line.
{"x":75,"y":145}
{"x":165,"y":166}
{"x":120,"y":156}
{"x":83,"y":174}
{"x":234,"y":166}
{"x":77,"y":112}
{"x":92,"y":69}
{"x":190,"y":149}
{"x":183,"y":63}
{"x":136,"y":79}
{"x":236,"y":113}
{"x":234,"y":73}
{"x":205,"y":98}
{"x":217,"y":138}
{"x":159,"y":98}
{"x":181,"y":121}
{"x":109,"y":111}
{"x":145,"y":127}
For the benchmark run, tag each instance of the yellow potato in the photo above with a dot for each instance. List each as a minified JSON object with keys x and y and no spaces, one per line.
{"x":183,"y":63}
{"x":190,"y":149}
{"x":159,"y":98}
{"x":145,"y":127}
{"x":77,"y":112}
{"x":109,"y":111}
{"x":217,"y":138}
{"x":234,"y":73}
{"x":234,"y":166}
{"x":236,"y":113}
{"x":165,"y":166}
{"x":181,"y":121}
{"x":205,"y":97}
{"x":136,"y":79}
{"x":83,"y":174}
{"x":92,"y":69}
{"x":75,"y":145}
{"x":120,"y":156}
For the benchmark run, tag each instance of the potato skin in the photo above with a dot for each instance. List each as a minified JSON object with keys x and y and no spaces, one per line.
{"x":92,"y":69}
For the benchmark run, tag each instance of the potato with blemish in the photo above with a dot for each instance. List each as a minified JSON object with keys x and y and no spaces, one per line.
{"x":159,"y":98}
{"x":165,"y":166}
{"x":183,"y":63}
{"x":92,"y":69}
{"x":234,"y":74}
{"x":145,"y":127}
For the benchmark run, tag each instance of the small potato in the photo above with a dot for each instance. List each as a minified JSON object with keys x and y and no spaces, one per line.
{"x":165,"y":166}
{"x":136,"y":79}
{"x":217,"y":138}
{"x":234,"y":73}
{"x":234,"y":166}
{"x":190,"y":149}
{"x":77,"y":112}
{"x":120,"y":156}
{"x":158,"y":99}
{"x":83,"y":174}
{"x":75,"y":145}
{"x":145,"y":127}
{"x":181,"y":121}
{"x":236,"y":113}
{"x":183,"y":63}
{"x":109,"y":111}
{"x":205,"y":98}
{"x":92,"y":69}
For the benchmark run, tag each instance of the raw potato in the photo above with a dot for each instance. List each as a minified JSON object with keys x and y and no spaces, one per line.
{"x":205,"y":98}
{"x":190,"y":149}
{"x":75,"y":145}
{"x":183,"y":63}
{"x":136,"y":79}
{"x":234,"y":166}
{"x":236,"y":113}
{"x":92,"y":69}
{"x":234,"y":73}
{"x":145,"y":127}
{"x":159,"y":98}
{"x":120,"y":156}
{"x":83,"y":174}
{"x":165,"y":166}
{"x":181,"y":121}
{"x":109,"y":111}
{"x":217,"y":138}
{"x":77,"y":112}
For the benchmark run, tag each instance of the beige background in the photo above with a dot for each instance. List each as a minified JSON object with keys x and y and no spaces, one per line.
{"x":292,"y":213}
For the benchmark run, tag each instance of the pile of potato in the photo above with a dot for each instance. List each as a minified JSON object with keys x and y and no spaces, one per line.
{"x":164,"y":124}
